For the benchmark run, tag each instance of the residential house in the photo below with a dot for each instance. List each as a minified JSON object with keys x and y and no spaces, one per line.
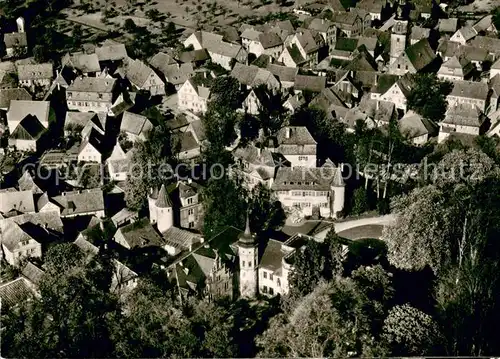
{"x":256,"y":100}
{"x":35,"y":75}
{"x":26,"y":136}
{"x":13,"y":94}
{"x":196,"y":58}
{"x":456,"y":68}
{"x":28,"y":182}
{"x":416,"y":128}
{"x":469,"y":92}
{"x":312,"y":191}
{"x":91,"y":148}
{"x":309,"y":43}
{"x":395,"y":91}
{"x":81,"y":203}
{"x":490,"y":44}
{"x":18,"y":242}
{"x":119,"y":163}
{"x":463,"y":118}
{"x":187,"y":204}
{"x":326,"y":29}
{"x":350,"y":24}
{"x":375,"y":8}
{"x":188,"y":148}
{"x":140,"y":234}
{"x":20,"y":109}
{"x":91,"y":94}
{"x":294,"y":102}
{"x":463,"y":35}
{"x":178,"y":240}
{"x":111,"y":51}
{"x":174,"y":73}
{"x":221,"y":52}
{"x":136,"y":127}
{"x":309,"y":83}
{"x":82,"y":64}
{"x":257,"y":165}
{"x":45,"y":204}
{"x":415,"y":58}
{"x":258,"y":43}
{"x":327,"y":98}
{"x":253,"y":76}
{"x":143,"y":77}
{"x":297,"y":145}
{"x":477,"y":56}
{"x":194,"y":93}
{"x":16,"y":43}
{"x":83,"y":122}
{"x":285,"y":75}
{"x":486,"y":25}
{"x":292,"y":57}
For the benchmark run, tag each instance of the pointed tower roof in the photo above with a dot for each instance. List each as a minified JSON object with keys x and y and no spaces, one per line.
{"x":163,"y":200}
{"x":246,"y":237}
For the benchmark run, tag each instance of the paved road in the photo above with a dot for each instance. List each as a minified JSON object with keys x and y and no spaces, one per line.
{"x":344,"y":226}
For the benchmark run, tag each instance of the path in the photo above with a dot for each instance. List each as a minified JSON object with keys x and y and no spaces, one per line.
{"x":355,"y":223}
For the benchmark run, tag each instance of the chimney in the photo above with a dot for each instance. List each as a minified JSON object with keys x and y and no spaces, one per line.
{"x":377,"y":105}
{"x":258,"y":151}
{"x":287,"y":132}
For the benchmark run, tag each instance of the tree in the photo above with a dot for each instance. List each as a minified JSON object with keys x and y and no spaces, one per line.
{"x":360,"y":200}
{"x":129,"y":25}
{"x":153,"y":15}
{"x":224,"y":205}
{"x":408,"y":331}
{"x":266,"y":212}
{"x":329,"y":321}
{"x":226,"y":93}
{"x":428,"y":96}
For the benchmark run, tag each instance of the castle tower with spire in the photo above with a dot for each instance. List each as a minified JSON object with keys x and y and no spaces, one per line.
{"x":248,"y":254}
{"x":160,"y":209}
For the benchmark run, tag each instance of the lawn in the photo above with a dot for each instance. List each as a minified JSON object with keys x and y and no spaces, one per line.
{"x":361,"y":232}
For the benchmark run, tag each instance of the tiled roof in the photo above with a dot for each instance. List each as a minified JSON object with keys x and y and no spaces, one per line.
{"x":420,"y":54}
{"x":295,"y":54}
{"x":32,"y":273}
{"x":21,"y":201}
{"x":50,"y":220}
{"x":418,"y":33}
{"x":414,"y":125}
{"x":27,"y":183}
{"x":272,"y":256}
{"x":34,"y":72}
{"x":253,"y":155}
{"x":490,"y":44}
{"x":12,"y":235}
{"x":193,"y":56}
{"x":86,"y":246}
{"x":448,"y":25}
{"x":15,"y":39}
{"x":180,"y":238}
{"x":15,"y":292}
{"x":313,"y":179}
{"x":77,"y":202}
{"x":20,"y":109}
{"x":82,"y":62}
{"x":464,"y":115}
{"x":141,"y":234}
{"x":320,"y":25}
{"x":29,"y":129}
{"x":467,"y":32}
{"x":111,"y":52}
{"x":8,"y":95}
{"x":310,"y":83}
{"x":135,"y":124}
{"x":138,"y":72}
{"x":163,"y":200}
{"x":187,"y":140}
{"x":297,"y":135}
{"x":92,"y":84}
{"x":269,"y":40}
{"x":470,"y":89}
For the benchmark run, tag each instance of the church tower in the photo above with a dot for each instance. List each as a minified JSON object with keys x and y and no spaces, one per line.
{"x":248,"y":254}
{"x":398,"y":36}
{"x":160,"y":209}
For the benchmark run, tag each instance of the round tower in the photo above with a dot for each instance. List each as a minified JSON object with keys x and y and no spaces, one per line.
{"x":151,"y":205}
{"x":398,"y":39}
{"x":164,"y":210}
{"x":248,"y":254}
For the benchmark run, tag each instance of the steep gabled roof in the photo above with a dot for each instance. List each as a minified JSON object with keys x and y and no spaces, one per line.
{"x":420,"y":54}
{"x":29,"y":129}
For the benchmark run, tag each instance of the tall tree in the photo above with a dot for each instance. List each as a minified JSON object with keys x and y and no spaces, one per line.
{"x":266,"y":212}
{"x":428,"y":96}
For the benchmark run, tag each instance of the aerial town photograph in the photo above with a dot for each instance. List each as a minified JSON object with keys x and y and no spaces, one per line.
{"x":249,"y":178}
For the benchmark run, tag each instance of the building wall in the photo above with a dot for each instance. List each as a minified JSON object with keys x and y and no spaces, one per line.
{"x":305,"y":200}
{"x":302,"y":160}
{"x":396,"y":96}
{"x":455,"y":100}
{"x":190,"y":216}
{"x":89,"y":106}
{"x":23,"y":145}
{"x":188,"y":99}
{"x":224,"y":61}
{"x":286,"y":59}
{"x":99,"y":214}
{"x":273,"y":52}
{"x":401,"y":66}
{"x":89,"y":154}
{"x":192,"y":40}
{"x":457,"y":37}
{"x":270,"y":283}
{"x":120,"y":239}
{"x":31,"y":250}
{"x":398,"y":41}
{"x":248,"y":258}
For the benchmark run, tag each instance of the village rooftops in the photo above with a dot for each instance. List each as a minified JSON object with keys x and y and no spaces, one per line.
{"x":310,"y":83}
{"x":141,"y":234}
{"x":420,"y":54}
{"x":269,"y":40}
{"x":8,"y":95}
{"x":295,"y":135}
{"x":464,"y":115}
{"x":111,"y":51}
{"x":85,"y":63}
{"x":414,"y":125}
{"x":11,"y":199}
{"x":15,"y":292}
{"x":30,"y":128}
{"x":135,"y":124}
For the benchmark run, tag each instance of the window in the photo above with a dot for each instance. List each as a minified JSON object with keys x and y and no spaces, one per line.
{"x":264,"y":289}
{"x":399,"y":66}
{"x":250,"y":264}
{"x":242,"y":263}
{"x":191,"y":225}
{"x":271,"y":290}
{"x":190,"y":211}
{"x":190,"y":201}
{"x":278,"y":281}
{"x":264,"y":274}
{"x":270,"y":276}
